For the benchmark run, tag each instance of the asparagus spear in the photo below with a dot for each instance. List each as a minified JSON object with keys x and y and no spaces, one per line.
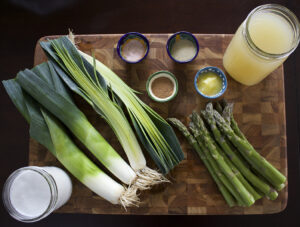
{"x":252,"y":178}
{"x":233,"y":148}
{"x":219,"y":107}
{"x":276,"y":178}
{"x":227,"y":114}
{"x":181,"y":127}
{"x":246,"y":196}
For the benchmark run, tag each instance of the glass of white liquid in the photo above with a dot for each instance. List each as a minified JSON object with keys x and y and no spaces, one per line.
{"x":32,"y":193}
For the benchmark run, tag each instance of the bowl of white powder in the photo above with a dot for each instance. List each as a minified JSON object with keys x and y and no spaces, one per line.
{"x":133,"y":47}
{"x":182,"y":47}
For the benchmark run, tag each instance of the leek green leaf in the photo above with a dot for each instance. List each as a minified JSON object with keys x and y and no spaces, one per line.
{"x":76,"y":121}
{"x":31,"y":109}
{"x":15,"y":93}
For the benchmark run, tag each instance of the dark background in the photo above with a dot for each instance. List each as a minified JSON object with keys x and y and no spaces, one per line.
{"x":23,"y":22}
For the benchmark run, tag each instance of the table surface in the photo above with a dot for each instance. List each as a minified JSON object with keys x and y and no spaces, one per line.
{"x":24,"y":22}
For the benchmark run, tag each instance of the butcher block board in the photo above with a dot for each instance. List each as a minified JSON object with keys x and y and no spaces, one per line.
{"x":259,"y":110}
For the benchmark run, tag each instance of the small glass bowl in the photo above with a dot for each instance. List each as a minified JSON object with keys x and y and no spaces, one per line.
{"x":179,"y":36}
{"x":132,"y":35}
{"x":7,"y":200}
{"x":58,"y":183}
{"x":157,"y":75}
{"x":216,"y":71}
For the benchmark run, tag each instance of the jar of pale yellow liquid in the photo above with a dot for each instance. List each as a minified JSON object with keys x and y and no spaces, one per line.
{"x":263,"y":42}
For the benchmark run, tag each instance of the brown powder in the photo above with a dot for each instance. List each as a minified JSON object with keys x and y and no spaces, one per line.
{"x":162,"y":87}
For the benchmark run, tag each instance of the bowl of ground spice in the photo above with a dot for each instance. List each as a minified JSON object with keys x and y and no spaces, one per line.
{"x":133,"y":47}
{"x":162,"y":86}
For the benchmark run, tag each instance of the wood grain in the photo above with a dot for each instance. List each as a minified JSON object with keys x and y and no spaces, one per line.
{"x":259,"y":110}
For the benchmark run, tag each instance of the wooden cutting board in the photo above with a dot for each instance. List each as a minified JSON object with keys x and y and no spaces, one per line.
{"x":259,"y":110}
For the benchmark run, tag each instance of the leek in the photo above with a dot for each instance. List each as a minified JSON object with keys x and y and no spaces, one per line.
{"x":94,"y":90}
{"x":48,"y":131}
{"x":154,"y":132}
{"x":38,"y":83}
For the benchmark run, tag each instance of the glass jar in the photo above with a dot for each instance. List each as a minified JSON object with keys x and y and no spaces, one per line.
{"x":259,"y":47}
{"x":32,"y":193}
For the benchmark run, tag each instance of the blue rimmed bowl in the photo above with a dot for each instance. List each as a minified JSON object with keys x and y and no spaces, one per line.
{"x":216,"y":71}
{"x":132,"y":35}
{"x":180,"y":36}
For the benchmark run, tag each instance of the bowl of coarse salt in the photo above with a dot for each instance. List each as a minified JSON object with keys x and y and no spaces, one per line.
{"x":133,"y":47}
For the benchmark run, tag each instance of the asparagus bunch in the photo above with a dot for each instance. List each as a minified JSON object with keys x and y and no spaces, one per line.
{"x":206,"y":160}
{"x":260,"y":164}
{"x":247,"y":199}
{"x":215,"y":166}
{"x":241,"y":174}
{"x":252,"y":178}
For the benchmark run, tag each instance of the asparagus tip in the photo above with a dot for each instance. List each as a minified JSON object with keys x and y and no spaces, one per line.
{"x":175,"y":122}
{"x":219,"y":119}
{"x":179,"y":125}
{"x":209,"y":107}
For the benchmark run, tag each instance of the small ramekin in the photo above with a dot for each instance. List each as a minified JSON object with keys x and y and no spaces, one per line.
{"x":131,"y":35}
{"x":157,"y":75}
{"x":182,"y":35}
{"x":218,"y":72}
